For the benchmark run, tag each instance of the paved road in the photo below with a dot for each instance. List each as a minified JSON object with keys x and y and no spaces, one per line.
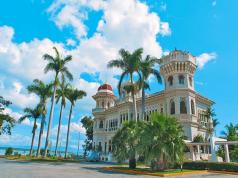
{"x":17,"y":169}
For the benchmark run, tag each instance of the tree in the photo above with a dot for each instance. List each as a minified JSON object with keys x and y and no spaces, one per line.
{"x":198,"y":139}
{"x":124,"y":143}
{"x":87,"y":123}
{"x":34,"y":114}
{"x":60,"y":95}
{"x":146,"y":69}
{"x":231,"y":134}
{"x":161,"y":141}
{"x":9,"y":151}
{"x":6,"y":121}
{"x":58,"y":66}
{"x":72,"y":95}
{"x":129,"y":63}
{"x":43,"y":91}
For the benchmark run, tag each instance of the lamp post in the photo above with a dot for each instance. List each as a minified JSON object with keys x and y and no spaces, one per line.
{"x":78,"y":145}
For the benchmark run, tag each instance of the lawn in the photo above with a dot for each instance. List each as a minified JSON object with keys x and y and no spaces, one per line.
{"x":48,"y":159}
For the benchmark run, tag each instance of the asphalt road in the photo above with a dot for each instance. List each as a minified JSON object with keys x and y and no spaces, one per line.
{"x":18,"y":169}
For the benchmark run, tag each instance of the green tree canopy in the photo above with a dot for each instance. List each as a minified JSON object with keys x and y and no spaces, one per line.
{"x":6,"y":121}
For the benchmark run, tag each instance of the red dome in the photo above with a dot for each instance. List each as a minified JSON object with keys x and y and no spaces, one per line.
{"x":105,"y":87}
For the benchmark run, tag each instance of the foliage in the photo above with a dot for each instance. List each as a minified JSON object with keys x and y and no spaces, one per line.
{"x":129,"y":63}
{"x":198,"y":139}
{"x":87,"y":123}
{"x":161,"y":140}
{"x":231,"y":134}
{"x":147,"y":69}
{"x":55,"y":64}
{"x":216,"y":166}
{"x":6,"y":121}
{"x":125,"y":141}
{"x":9,"y":151}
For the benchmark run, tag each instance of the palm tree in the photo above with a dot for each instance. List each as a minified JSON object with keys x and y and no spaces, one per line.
{"x":56,"y":64}
{"x":35,"y":114}
{"x":72,"y":95}
{"x":60,"y":95}
{"x":44,"y":91}
{"x":231,"y":133}
{"x":129,"y":63}
{"x":146,"y":68}
{"x":125,"y":141}
{"x":166,"y":145}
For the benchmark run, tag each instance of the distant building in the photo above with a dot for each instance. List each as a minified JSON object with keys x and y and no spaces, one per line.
{"x":179,"y":99}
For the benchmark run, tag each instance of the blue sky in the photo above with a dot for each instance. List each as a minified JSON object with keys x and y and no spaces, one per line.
{"x":94,"y":31}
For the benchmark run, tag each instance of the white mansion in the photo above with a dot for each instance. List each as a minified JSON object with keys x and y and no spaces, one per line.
{"x":179,"y":99}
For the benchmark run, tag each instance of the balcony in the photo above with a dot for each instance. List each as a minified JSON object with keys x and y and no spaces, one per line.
{"x":96,"y":110}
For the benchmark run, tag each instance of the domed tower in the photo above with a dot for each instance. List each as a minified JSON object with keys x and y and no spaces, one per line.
{"x":177,"y":69}
{"x":104,"y":97}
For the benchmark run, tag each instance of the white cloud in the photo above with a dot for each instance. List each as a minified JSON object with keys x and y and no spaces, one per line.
{"x":17,"y":96}
{"x":71,"y":42}
{"x":165,"y":30}
{"x":204,"y":58}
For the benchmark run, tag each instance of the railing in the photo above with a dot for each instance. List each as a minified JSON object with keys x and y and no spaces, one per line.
{"x":98,"y":110}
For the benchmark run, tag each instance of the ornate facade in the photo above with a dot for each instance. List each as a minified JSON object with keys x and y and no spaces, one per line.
{"x":178,"y":99}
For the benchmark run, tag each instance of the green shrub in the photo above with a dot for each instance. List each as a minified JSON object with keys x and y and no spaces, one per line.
{"x":232,"y":167}
{"x":9,"y":151}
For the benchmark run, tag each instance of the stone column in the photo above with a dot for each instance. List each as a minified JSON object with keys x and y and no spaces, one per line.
{"x":227,"y":156}
{"x":199,"y":152}
{"x":192,"y":153}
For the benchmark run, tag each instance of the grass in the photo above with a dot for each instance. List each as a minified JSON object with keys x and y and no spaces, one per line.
{"x":148,"y":170}
{"x":41,"y":159}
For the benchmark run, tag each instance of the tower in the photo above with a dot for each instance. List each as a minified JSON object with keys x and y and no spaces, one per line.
{"x":104,"y":97}
{"x":177,"y":69}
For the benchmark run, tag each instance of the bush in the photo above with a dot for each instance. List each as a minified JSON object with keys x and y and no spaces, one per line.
{"x":232,"y":167}
{"x":9,"y":151}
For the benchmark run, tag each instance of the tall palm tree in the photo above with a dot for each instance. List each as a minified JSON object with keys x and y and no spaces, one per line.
{"x":44,"y":91}
{"x":72,"y":95}
{"x":146,"y":68}
{"x":57,"y":65}
{"x":60,"y":95}
{"x":129,"y":63}
{"x":34,"y":114}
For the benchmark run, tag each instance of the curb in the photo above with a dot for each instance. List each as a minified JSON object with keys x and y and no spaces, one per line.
{"x":153,"y":174}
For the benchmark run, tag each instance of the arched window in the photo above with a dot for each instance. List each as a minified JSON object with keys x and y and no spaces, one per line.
{"x":172,"y":107}
{"x":181,"y":79}
{"x":192,"y":107}
{"x":183,"y":108}
{"x":103,"y":104}
{"x":170,"y":80}
{"x":190,"y":81}
{"x":101,"y":124}
{"x":108,"y":105}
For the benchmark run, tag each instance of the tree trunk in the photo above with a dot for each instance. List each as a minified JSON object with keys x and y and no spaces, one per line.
{"x":33,"y":137}
{"x":58,"y":132}
{"x":133,"y":98}
{"x":143,"y":102}
{"x":50,"y":118}
{"x":40,"y":135}
{"x":68,"y":131}
{"x":132,"y":163}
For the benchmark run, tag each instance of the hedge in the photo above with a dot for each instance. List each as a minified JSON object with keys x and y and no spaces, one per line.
{"x":215,"y":166}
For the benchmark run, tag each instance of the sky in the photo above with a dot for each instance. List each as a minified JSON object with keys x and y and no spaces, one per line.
{"x":93,"y":31}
